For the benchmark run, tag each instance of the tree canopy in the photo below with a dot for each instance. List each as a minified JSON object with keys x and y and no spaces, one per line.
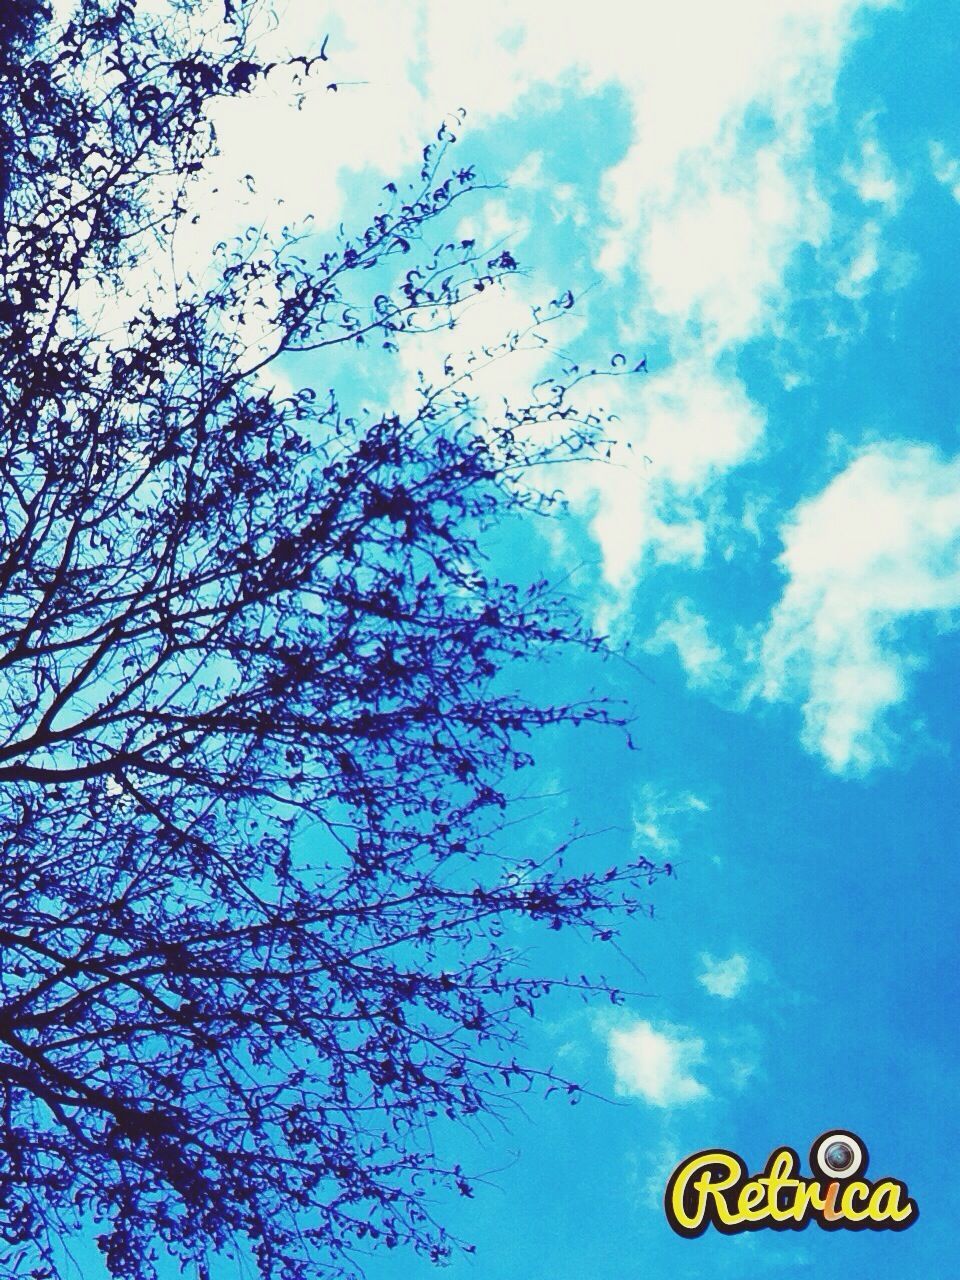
{"x":259,"y":712}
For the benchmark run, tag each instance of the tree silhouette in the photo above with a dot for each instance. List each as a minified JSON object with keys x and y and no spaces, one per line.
{"x":258,"y":716}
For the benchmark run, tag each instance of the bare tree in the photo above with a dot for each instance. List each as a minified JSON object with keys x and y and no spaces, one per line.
{"x":257,"y":713}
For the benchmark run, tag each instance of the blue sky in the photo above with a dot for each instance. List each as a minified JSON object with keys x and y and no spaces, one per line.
{"x":765,"y":200}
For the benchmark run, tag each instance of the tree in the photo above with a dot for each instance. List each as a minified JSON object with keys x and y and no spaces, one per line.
{"x":258,"y":721}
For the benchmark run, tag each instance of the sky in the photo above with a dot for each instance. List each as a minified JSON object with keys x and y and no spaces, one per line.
{"x":764,"y":200}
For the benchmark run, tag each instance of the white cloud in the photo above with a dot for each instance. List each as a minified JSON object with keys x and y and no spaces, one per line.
{"x":946,"y":168}
{"x":873,"y":176}
{"x":855,"y":280}
{"x":870,"y":261}
{"x":660,"y":821}
{"x":709,"y":204}
{"x":688,"y":633}
{"x":875,"y":551}
{"x":681,"y":431}
{"x":714,"y":257}
{"x":724,"y":978}
{"x":656,"y":1065}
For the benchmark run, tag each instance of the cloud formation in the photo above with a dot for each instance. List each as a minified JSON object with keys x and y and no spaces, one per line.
{"x":682,"y":431}
{"x":873,"y":554}
{"x":946,"y":168}
{"x":656,"y":1065}
{"x":688,"y":633}
{"x":724,"y":978}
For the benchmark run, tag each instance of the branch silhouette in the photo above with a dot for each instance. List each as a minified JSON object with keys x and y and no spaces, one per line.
{"x":257,"y":724}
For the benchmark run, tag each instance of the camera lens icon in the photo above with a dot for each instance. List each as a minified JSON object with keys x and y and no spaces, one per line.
{"x":837,"y":1155}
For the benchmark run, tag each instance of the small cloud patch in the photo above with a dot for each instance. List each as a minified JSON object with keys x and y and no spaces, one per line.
{"x":724,"y":978}
{"x":656,"y":1064}
{"x":688,"y":633}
